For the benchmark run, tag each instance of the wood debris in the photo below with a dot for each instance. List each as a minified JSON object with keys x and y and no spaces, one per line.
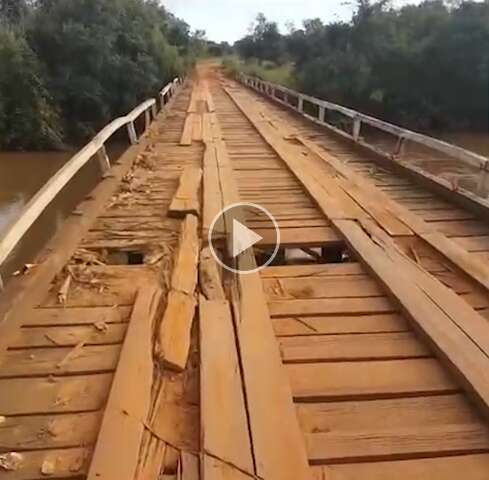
{"x":11,"y":461}
{"x":63,"y":291}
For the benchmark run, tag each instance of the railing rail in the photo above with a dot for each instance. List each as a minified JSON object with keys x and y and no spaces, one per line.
{"x":38,"y":203}
{"x":403,"y":135}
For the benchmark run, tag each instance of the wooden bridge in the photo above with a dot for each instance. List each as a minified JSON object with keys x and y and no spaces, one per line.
{"x":128,"y":353}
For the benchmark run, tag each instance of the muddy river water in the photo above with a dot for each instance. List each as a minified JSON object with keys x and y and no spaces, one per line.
{"x":23,"y":173}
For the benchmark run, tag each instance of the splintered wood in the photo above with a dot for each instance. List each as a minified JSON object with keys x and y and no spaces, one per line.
{"x":128,"y":405}
{"x":176,"y":325}
{"x":186,"y":200}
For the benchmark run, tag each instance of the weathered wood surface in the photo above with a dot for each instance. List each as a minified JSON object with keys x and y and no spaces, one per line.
{"x":186,"y":200}
{"x":176,"y":325}
{"x":128,"y":405}
{"x":225,"y":433}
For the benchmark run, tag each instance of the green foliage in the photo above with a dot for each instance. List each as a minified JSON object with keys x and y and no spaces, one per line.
{"x":425,"y":66}
{"x":96,"y":59}
{"x":264,"y":42}
{"x":27,"y":115}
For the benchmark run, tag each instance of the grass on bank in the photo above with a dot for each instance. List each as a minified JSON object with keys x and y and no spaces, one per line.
{"x":266,"y":70}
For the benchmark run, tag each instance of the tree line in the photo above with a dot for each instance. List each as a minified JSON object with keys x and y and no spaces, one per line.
{"x":424,"y":66}
{"x":69,"y":67}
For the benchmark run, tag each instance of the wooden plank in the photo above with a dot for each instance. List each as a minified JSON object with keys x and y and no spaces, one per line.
{"x":20,"y":433}
{"x":324,"y":348}
{"x":322,"y":287}
{"x":21,"y":396}
{"x":58,"y":361}
{"x":383,"y":323}
{"x":68,"y":463}
{"x":299,"y":237}
{"x":331,"y":306}
{"x":435,"y":310}
{"x":469,"y":467}
{"x":151,"y":457}
{"x":295,"y":271}
{"x":129,"y":401}
{"x":76,"y":316}
{"x":176,"y":327}
{"x":224,"y":420}
{"x":278,"y":445}
{"x":103,"y":334}
{"x":371,"y":379}
{"x":210,"y":280}
{"x":186,"y":198}
{"x":189,"y":466}
{"x":213,"y":203}
{"x":388,"y":414}
{"x":197,"y":133}
{"x":184,"y":276}
{"x":186,"y":138}
{"x":214,"y":469}
{"x":427,"y":231}
{"x":397,"y":445}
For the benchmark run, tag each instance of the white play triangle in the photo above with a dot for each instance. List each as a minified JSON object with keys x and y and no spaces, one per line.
{"x":243,"y":238}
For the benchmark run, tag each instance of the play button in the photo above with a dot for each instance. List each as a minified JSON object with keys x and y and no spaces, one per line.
{"x":230,"y":236}
{"x":243,"y":238}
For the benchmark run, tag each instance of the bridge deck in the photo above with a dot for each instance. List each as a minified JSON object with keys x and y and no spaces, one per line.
{"x":367,"y":357}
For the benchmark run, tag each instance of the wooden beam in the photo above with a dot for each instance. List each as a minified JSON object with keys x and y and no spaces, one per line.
{"x":129,"y":401}
{"x":210,"y":280}
{"x":186,"y":199}
{"x":224,"y":423}
{"x":278,"y":444}
{"x":176,"y":325}
{"x":188,"y":128}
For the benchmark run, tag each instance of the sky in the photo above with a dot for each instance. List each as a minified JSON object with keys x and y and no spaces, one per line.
{"x":229,"y":19}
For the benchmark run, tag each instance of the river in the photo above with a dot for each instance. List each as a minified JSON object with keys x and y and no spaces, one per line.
{"x":23,"y":173}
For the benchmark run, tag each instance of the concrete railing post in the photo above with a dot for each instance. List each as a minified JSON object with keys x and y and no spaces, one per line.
{"x":132,"y":133}
{"x":322,"y":114}
{"x":147,"y":119}
{"x":300,"y":103}
{"x":357,"y":125}
{"x":103,"y":160}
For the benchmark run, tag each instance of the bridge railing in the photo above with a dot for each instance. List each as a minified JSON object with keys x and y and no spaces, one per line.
{"x":96,"y":147}
{"x":358,"y":120}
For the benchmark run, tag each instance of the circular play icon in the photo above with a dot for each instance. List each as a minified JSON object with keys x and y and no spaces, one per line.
{"x":239,"y":228}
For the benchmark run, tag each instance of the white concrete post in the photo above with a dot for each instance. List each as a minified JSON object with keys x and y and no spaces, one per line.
{"x":300,"y":103}
{"x":483,"y":184}
{"x":132,"y":133}
{"x":103,"y":160}
{"x":147,"y":120}
{"x":357,"y":125}
{"x":322,"y":114}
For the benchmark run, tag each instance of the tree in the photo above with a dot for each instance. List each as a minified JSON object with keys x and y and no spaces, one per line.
{"x":28,"y":117}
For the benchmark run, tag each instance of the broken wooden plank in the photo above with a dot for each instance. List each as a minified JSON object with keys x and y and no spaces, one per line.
{"x":176,"y":327}
{"x":184,"y":276}
{"x":210,"y":280}
{"x":186,"y":199}
{"x":224,"y":422}
{"x":129,"y":400}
